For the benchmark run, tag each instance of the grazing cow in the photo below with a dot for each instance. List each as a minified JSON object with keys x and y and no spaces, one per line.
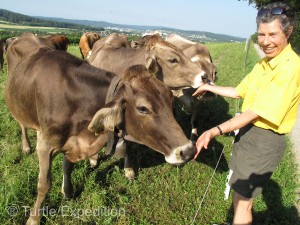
{"x":1,"y":54}
{"x":58,"y":42}
{"x":86,"y":43}
{"x":65,"y":103}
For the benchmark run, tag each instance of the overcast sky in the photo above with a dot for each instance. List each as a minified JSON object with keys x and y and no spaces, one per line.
{"x":231,"y":17}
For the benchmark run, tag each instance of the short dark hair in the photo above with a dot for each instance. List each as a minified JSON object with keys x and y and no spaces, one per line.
{"x":287,"y":18}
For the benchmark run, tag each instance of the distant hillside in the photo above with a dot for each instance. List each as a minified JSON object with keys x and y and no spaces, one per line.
{"x":192,"y":35}
{"x":21,"y":19}
{"x":39,"y":21}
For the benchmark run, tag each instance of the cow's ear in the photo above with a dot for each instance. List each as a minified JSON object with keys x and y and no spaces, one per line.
{"x":107,"y":118}
{"x":151,"y":64}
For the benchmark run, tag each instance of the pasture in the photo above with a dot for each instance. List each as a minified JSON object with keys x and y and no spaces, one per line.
{"x":161,"y":193}
{"x":18,"y":28}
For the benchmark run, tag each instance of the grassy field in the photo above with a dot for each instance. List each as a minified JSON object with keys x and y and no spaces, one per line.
{"x":18,"y":28}
{"x":161,"y":193}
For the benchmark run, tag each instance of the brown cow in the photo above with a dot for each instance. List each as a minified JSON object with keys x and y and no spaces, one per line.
{"x":8,"y":41}
{"x":66,"y":102}
{"x":114,"y":40}
{"x":58,"y":42}
{"x":200,"y":54}
{"x":195,"y":52}
{"x":147,"y":41}
{"x":169,"y":63}
{"x":86,"y":43}
{"x":1,"y":54}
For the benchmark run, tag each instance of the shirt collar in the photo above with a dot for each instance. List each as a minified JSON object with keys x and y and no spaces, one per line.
{"x":283,"y":55}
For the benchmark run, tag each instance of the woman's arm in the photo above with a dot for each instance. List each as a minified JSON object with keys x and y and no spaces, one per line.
{"x":228,"y":126}
{"x":219,"y":90}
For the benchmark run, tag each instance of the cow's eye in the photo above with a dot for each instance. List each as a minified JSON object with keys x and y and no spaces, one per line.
{"x":143,"y":110}
{"x":173,"y":60}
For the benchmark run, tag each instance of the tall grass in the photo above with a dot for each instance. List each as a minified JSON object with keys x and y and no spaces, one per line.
{"x":161,"y":193}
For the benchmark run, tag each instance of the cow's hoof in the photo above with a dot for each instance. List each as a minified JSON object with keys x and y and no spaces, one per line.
{"x":68,"y":194}
{"x":129,"y":173}
{"x":26,"y":150}
{"x":93,"y":161}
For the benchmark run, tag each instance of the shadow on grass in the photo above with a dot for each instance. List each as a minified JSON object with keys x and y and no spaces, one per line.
{"x":210,"y":113}
{"x":276,"y":213}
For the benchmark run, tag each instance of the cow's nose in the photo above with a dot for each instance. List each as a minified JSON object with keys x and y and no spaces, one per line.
{"x":204,"y":78}
{"x":181,"y":154}
{"x":186,"y":152}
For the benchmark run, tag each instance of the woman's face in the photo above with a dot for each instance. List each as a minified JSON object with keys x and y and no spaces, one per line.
{"x":271,"y":38}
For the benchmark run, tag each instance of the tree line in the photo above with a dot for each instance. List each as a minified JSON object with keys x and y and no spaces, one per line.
{"x":21,"y":19}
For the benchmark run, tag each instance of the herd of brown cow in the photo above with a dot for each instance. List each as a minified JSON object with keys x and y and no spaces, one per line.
{"x":118,"y":92}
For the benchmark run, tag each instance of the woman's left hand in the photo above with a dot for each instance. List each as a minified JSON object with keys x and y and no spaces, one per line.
{"x":203,"y":141}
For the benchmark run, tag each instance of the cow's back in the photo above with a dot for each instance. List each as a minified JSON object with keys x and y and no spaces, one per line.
{"x":20,"y":49}
{"x":46,"y":97}
{"x":116,"y":60}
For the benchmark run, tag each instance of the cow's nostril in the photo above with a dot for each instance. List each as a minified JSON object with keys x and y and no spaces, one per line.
{"x":204,"y":78}
{"x":181,"y":153}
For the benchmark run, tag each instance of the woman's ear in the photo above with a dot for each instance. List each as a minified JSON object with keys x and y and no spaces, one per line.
{"x":289,"y":31}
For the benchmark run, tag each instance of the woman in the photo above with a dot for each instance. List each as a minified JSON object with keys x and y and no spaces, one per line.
{"x":271,"y":93}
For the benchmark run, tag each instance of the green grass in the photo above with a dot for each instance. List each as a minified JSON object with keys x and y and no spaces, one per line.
{"x":161,"y":193}
{"x":18,"y":28}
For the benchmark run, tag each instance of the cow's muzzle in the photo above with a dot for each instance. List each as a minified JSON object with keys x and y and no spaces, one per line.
{"x":181,"y":154}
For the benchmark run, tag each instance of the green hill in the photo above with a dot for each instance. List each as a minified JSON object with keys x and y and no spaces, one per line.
{"x":25,"y":20}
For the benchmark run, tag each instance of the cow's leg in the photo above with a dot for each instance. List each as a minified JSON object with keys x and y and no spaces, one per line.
{"x":25,"y":140}
{"x":123,"y":152}
{"x":67,"y":187}
{"x":194,"y":132}
{"x":44,"y":183}
{"x":128,"y":168}
{"x":196,"y":119}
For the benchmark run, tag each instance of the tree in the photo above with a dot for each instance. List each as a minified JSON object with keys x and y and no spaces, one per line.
{"x":295,"y":39}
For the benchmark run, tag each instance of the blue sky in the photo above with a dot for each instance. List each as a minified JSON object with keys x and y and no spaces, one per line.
{"x":230,"y":17}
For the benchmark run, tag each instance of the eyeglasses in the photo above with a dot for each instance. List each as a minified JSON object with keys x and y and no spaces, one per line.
{"x":274,"y":11}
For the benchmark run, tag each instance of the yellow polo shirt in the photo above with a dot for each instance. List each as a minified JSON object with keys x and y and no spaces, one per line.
{"x":272,"y":90}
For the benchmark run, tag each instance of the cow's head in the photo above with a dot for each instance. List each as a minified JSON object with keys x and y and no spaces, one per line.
{"x":175,"y":69}
{"x":147,"y":41}
{"x":142,"y":111}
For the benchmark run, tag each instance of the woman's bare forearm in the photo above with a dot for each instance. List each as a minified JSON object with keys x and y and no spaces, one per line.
{"x":219,"y":90}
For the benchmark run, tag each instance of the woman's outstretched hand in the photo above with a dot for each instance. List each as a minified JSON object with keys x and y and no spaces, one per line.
{"x":203,"y":141}
{"x":200,"y":90}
